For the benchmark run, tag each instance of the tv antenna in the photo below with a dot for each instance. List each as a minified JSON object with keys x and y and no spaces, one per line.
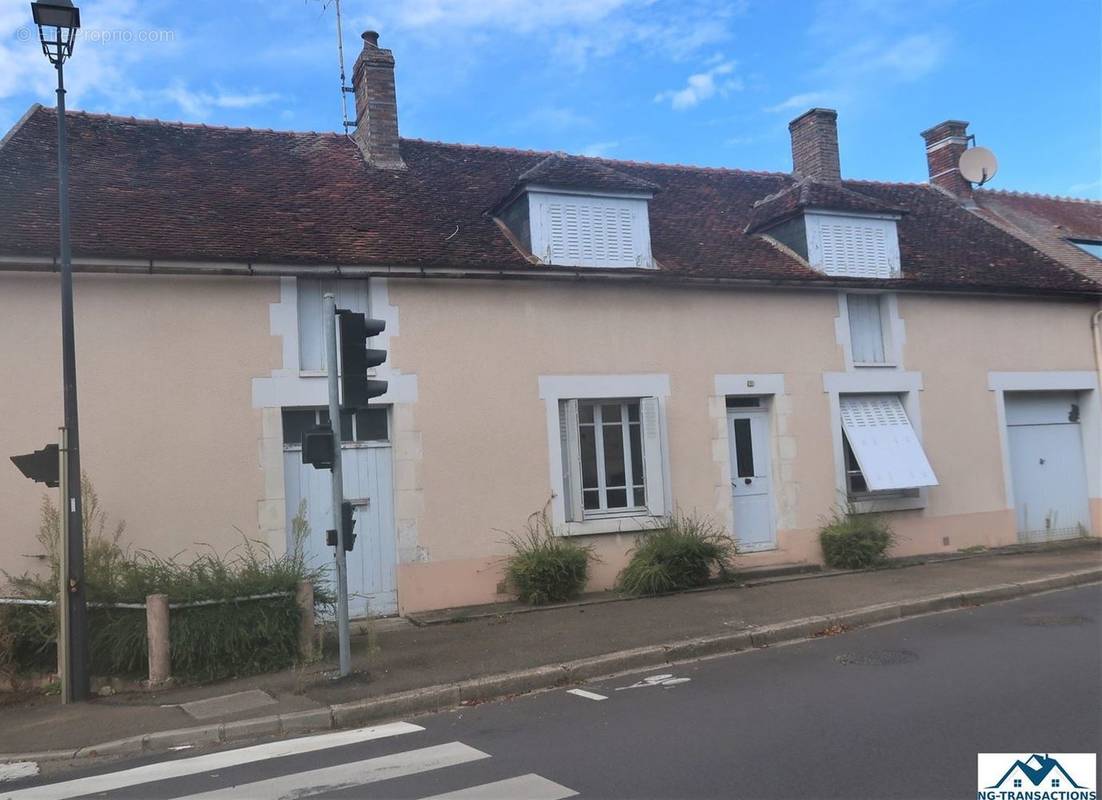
{"x":345,"y":88}
{"x":977,"y":164}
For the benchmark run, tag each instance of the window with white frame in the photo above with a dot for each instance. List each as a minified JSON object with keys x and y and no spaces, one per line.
{"x":883,"y":455}
{"x":612,"y":463}
{"x":868,"y":344}
{"x":590,"y":231}
{"x":364,"y":425}
{"x":350,"y":293}
{"x":852,"y":246}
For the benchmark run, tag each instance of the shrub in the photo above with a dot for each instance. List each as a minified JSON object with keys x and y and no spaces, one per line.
{"x":545,"y":567}
{"x":684,"y":551}
{"x":854,"y":541}
{"x":207,"y":642}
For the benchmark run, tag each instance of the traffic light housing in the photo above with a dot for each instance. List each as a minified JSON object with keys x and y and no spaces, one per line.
{"x":317,"y":447}
{"x":357,"y":358}
{"x":41,"y":466}
{"x":348,"y":518}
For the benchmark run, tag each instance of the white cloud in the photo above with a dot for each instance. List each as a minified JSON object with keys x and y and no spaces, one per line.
{"x":598,"y":149}
{"x":199,"y":104}
{"x":555,"y":118}
{"x":1090,"y":188}
{"x":702,"y":86}
{"x":801,"y":101}
{"x":521,"y":16}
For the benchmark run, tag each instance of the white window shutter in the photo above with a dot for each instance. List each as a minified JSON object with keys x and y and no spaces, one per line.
{"x":884,"y":443}
{"x":652,"y":456}
{"x":591,"y":232}
{"x":350,"y":294}
{"x":571,"y":460}
{"x":866,"y":328}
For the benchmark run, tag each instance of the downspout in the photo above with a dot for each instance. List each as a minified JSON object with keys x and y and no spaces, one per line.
{"x":1096,"y":330}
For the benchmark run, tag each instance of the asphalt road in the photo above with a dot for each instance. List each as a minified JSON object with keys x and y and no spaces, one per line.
{"x":898,"y":710}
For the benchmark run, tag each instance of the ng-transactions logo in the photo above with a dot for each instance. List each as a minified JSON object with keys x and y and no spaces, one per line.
{"x":1031,"y":776}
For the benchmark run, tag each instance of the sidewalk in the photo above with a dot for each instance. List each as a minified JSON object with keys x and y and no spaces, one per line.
{"x":420,"y":668}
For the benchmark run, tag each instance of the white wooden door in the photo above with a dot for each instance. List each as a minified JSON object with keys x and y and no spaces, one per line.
{"x":1047,"y":466}
{"x":751,"y":481}
{"x":368,"y":485}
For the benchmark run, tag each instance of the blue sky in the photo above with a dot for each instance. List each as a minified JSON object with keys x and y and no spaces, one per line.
{"x":695,"y":81}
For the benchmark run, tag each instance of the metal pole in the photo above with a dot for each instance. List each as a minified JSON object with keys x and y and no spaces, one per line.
{"x":63,"y":573}
{"x":338,"y":478}
{"x":74,"y":596}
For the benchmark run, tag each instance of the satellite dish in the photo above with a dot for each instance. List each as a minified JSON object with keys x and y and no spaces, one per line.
{"x":978,"y":165}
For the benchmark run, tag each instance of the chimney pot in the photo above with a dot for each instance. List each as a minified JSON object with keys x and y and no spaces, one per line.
{"x":945,"y":142}
{"x":376,"y":105}
{"x":815,"y":145}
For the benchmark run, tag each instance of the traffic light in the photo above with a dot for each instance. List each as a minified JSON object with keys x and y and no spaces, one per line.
{"x":317,"y":447}
{"x":357,"y":358}
{"x":41,"y":466}
{"x":348,"y":517}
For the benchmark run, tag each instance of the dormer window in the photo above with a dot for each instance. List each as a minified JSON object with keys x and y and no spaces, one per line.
{"x":839,"y":232}
{"x":576,"y":212}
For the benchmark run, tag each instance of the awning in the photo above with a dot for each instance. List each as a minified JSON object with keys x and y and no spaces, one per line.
{"x":884,"y":443}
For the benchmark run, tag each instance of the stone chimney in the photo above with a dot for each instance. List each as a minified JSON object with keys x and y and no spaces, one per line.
{"x":376,"y":105}
{"x":944,"y":144}
{"x":815,"y":145}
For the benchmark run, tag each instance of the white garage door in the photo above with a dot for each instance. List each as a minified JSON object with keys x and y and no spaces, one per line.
{"x":366,"y":461}
{"x":1047,"y":466}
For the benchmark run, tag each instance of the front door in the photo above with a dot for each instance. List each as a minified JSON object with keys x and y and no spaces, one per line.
{"x":1047,"y":466}
{"x":751,"y":481}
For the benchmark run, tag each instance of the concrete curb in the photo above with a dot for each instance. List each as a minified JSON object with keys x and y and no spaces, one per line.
{"x":495,"y":687}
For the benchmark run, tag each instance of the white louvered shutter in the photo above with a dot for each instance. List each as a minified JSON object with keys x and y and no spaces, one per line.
{"x":591,"y":232}
{"x":866,"y":329}
{"x":652,"y":456}
{"x":571,"y":460}
{"x":884,"y":443}
{"x":855,"y":248}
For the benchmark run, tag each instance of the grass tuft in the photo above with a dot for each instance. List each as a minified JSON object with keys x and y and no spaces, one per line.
{"x":855,"y":541}
{"x":544,"y":567}
{"x":682,"y":552}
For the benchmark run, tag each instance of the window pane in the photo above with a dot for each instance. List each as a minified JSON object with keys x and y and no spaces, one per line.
{"x":585,"y":412}
{"x":744,"y":449}
{"x":296,"y":421}
{"x":371,"y":425}
{"x":588,"y":446}
{"x":610,"y":412}
{"x":591,"y":500}
{"x":614,"y":454}
{"x":743,"y":402}
{"x":633,"y":412}
{"x":617,"y":498}
{"x":636,"y":459}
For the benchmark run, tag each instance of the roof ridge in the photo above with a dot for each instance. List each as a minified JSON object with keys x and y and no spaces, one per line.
{"x":19,"y":123}
{"x":604,"y":160}
{"x":1041,"y":195}
{"x":153,"y":121}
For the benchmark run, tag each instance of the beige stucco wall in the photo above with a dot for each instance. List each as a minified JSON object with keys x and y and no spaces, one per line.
{"x":168,"y":432}
{"x":480,"y":462}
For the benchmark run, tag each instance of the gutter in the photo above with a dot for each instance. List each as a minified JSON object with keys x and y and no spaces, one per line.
{"x":589,"y":274}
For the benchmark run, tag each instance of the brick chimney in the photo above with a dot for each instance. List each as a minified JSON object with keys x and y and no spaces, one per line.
{"x":815,"y":145}
{"x":376,"y":105}
{"x":944,"y":144}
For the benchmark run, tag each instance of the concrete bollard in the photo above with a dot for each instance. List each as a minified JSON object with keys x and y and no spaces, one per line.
{"x":304,"y":597}
{"x":157,"y":633}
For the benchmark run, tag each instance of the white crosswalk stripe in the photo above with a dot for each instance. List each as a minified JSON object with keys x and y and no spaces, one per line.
{"x":277,"y":783}
{"x":525,"y":787}
{"x":345,"y":776}
{"x":164,"y":770}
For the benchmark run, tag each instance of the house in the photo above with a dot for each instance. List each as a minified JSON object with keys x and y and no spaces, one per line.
{"x":611,"y":340}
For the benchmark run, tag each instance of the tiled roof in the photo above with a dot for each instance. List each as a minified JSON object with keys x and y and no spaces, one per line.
{"x":1048,"y":223}
{"x":562,"y":171}
{"x":807,"y":194}
{"x":170,"y":192}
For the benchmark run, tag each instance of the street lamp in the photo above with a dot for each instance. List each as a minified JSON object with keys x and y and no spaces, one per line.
{"x":58,"y":21}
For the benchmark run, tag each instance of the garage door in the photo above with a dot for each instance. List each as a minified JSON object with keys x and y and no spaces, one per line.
{"x":1047,"y":466}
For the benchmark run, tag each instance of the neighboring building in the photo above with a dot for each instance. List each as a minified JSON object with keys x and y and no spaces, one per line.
{"x":611,"y":339}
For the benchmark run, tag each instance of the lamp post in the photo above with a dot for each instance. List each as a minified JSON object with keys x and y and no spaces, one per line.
{"x":58,"y":21}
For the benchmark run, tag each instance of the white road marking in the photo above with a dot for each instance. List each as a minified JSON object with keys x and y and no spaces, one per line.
{"x":17,"y":769}
{"x":655,"y":680}
{"x":192,"y":766}
{"x":525,"y":787}
{"x":586,"y":695}
{"x":346,"y":776}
